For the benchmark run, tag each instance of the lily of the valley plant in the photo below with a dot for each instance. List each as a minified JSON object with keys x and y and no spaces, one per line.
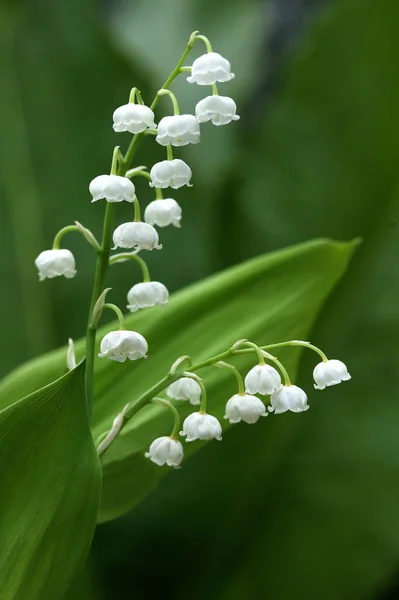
{"x":266,"y":388}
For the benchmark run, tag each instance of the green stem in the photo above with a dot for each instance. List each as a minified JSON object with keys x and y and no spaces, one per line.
{"x":118,"y":313}
{"x":133,"y":94}
{"x":257,"y":349}
{"x":98,"y":286}
{"x":298,"y":343}
{"x":169,"y":152}
{"x":117,"y":158}
{"x":179,"y":65}
{"x":150,"y":394}
{"x":204,"y":398}
{"x":206,"y":42}
{"x":138,"y":172}
{"x":137,"y":212}
{"x":169,"y":405}
{"x":240,"y":381}
{"x":158,"y":194}
{"x":61,"y":233}
{"x":215,"y":91}
{"x":176,"y":109}
{"x":132,"y":256}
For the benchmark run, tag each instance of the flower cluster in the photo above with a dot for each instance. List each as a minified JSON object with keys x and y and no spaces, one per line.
{"x":262,"y":380}
{"x":174,"y":130}
{"x":135,"y":236}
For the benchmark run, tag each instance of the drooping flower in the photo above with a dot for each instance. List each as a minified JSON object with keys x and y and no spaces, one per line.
{"x":138,"y":235}
{"x":178,"y":130}
{"x":53,"y":263}
{"x":163,"y":213}
{"x":209,"y":69}
{"x":221,"y":110}
{"x":330,"y":372}
{"x":166,"y":450}
{"x":262,"y":379}
{"x":113,"y":188}
{"x":147,"y":294}
{"x":201,"y":426}
{"x":244,"y":407}
{"x":185,"y":388}
{"x":170,"y":173}
{"x":122,"y":344}
{"x":288,"y":397}
{"x":135,"y":118}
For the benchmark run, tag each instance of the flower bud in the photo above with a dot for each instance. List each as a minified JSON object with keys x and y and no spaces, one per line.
{"x":113,"y":188}
{"x":185,"y":388}
{"x":178,"y":130}
{"x":166,"y":450}
{"x":209,"y":69}
{"x":134,"y":118}
{"x":170,"y":173}
{"x":199,"y":426}
{"x":329,"y":373}
{"x":288,"y":397}
{"x":163,"y":213}
{"x":147,"y":294}
{"x":52,"y":263}
{"x":244,"y":407}
{"x":138,"y":235}
{"x":122,"y":344}
{"x":262,"y":379}
{"x":221,"y":110}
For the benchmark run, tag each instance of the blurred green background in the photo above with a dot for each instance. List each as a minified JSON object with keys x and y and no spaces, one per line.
{"x":316,"y":153}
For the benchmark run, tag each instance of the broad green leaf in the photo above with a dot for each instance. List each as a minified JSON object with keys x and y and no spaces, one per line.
{"x":268,"y":299}
{"x":50,"y":481}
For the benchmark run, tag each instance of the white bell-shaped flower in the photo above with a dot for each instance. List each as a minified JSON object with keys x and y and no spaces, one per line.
{"x":52,"y":263}
{"x":201,"y":426}
{"x":178,"y":130}
{"x":262,"y":379}
{"x":147,"y":294}
{"x":221,"y":110}
{"x":170,"y":173}
{"x":122,"y":344}
{"x":244,"y":407}
{"x":138,"y":235}
{"x":185,"y":388}
{"x":209,"y":69}
{"x":330,"y":372}
{"x":134,"y":118}
{"x":113,"y":188}
{"x":288,"y":397}
{"x":163,"y":213}
{"x":166,"y":450}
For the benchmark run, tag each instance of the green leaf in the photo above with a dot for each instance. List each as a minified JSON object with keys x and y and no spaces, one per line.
{"x":50,"y":482}
{"x":268,"y":299}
